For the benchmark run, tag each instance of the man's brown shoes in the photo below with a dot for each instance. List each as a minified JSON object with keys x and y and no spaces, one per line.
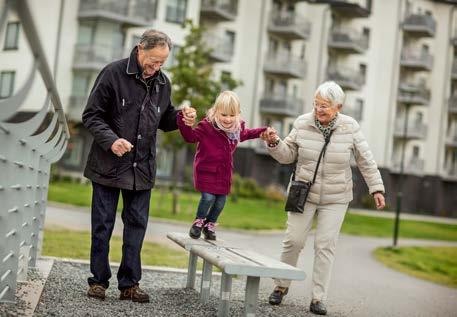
{"x":135,"y":294}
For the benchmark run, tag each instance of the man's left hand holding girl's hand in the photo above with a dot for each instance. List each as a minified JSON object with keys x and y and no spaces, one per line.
{"x":189,"y":114}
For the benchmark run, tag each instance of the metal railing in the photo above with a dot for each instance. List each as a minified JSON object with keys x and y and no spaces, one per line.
{"x":281,"y":104}
{"x":416,"y":59}
{"x":411,"y":93}
{"x":452,"y":107}
{"x":423,"y":24}
{"x":346,"y":77}
{"x":347,"y":38}
{"x":454,"y":68}
{"x":25,"y":160}
{"x":133,"y":12}
{"x":285,"y":64}
{"x":412,"y":166}
{"x":95,"y":56}
{"x":289,"y":24}
{"x":220,"y":9}
{"x":415,"y":130}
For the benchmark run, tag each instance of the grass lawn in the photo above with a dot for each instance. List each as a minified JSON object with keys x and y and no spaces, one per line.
{"x":436,"y":264}
{"x":259,"y":214}
{"x":76,"y":245}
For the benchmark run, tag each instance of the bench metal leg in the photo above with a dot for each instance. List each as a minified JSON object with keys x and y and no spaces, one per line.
{"x":250,"y":299}
{"x":206,"y":281}
{"x":191,"y":270}
{"x":226,"y":289}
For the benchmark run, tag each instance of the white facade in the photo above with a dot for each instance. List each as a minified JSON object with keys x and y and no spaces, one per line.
{"x":281,"y":50}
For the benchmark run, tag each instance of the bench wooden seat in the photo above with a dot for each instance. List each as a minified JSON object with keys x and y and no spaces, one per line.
{"x":231,"y":260}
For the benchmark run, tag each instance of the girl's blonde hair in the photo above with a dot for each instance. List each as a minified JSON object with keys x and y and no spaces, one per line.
{"x":227,"y":102}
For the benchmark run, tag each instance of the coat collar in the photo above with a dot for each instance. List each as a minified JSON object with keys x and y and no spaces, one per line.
{"x":309,"y":120}
{"x":134,"y":69}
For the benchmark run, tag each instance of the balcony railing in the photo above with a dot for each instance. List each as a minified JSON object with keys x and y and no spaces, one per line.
{"x":354,"y":113}
{"x":133,"y":13}
{"x":416,"y":94}
{"x":420,"y":24}
{"x":416,"y":60}
{"x":451,"y":139}
{"x":94,"y":56}
{"x":76,"y":107}
{"x":451,"y":173}
{"x":222,"y":10}
{"x":416,"y":130}
{"x":278,"y":104}
{"x":452,"y":107}
{"x":289,"y":25}
{"x":411,"y":166}
{"x":346,"y":77}
{"x":350,"y":8}
{"x":454,"y":68}
{"x":348,"y":39}
{"x":222,"y":48}
{"x":285,"y":65}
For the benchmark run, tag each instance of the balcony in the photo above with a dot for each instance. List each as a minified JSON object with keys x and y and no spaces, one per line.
{"x":94,"y":57}
{"x":451,"y":140}
{"x":222,"y":49}
{"x":411,"y":166}
{"x":283,"y":105}
{"x":349,"y":8}
{"x":451,"y":173}
{"x":285,"y":65}
{"x":76,"y":107}
{"x":452,"y":107}
{"x":354,"y":113}
{"x":130,"y":13}
{"x":454,"y":68}
{"x":416,"y":94}
{"x":348,"y":40}
{"x":290,"y":26}
{"x":219,"y":10}
{"x":416,"y":130}
{"x":422,"y":25}
{"x":420,"y":61}
{"x":346,"y":77}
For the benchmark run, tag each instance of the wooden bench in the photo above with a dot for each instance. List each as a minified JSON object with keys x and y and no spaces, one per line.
{"x":231,"y":260}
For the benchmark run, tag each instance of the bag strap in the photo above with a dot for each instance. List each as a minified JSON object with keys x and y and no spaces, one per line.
{"x":327,"y":140}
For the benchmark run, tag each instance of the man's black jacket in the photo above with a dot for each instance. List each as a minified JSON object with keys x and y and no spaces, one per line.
{"x":123,"y":105}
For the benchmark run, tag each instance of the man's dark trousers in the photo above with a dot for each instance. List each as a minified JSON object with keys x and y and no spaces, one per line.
{"x":135,"y":218}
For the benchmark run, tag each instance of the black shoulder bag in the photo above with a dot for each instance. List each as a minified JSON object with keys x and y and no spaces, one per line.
{"x":299,"y":190}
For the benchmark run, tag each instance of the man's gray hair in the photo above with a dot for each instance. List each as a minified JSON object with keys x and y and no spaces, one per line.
{"x":152,"y":38}
{"x":332,"y":92}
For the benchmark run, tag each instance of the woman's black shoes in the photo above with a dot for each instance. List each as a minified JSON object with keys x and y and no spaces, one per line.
{"x":318,"y":308}
{"x":277,"y":295}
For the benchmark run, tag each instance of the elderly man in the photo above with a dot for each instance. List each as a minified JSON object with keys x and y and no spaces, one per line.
{"x":129,"y":101}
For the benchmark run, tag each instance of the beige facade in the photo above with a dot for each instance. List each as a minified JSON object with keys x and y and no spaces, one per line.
{"x":392,"y":57}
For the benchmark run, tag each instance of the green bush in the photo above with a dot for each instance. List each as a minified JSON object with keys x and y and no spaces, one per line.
{"x":246,"y":187}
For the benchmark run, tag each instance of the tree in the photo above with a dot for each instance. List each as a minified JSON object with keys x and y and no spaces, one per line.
{"x":193,"y":80}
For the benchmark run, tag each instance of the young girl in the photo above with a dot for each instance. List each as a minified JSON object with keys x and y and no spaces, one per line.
{"x":217,"y":136}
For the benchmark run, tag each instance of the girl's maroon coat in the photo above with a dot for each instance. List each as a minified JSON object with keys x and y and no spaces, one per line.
{"x":213,"y":163}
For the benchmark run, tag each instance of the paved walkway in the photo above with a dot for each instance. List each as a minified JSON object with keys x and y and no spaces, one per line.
{"x":360,"y":286}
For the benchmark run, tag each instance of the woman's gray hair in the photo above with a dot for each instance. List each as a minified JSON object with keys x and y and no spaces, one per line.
{"x":332,"y":92}
{"x":152,"y":38}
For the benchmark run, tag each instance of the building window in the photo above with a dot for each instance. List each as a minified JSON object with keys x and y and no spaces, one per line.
{"x":12,"y":36}
{"x":6,"y":84}
{"x":73,"y":154}
{"x":176,"y":11}
{"x":171,"y":60}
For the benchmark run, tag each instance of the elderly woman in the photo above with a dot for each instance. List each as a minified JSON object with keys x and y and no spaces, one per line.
{"x":331,"y":192}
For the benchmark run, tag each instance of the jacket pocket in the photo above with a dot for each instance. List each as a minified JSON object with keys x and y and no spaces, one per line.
{"x":207,"y":173}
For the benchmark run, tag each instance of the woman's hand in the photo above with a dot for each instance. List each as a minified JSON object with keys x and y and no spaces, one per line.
{"x":379,"y":200}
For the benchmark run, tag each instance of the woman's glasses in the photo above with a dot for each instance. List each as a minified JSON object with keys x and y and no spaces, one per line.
{"x":322,"y":106}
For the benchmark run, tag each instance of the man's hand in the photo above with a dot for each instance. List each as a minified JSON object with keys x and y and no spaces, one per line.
{"x":379,"y":200}
{"x":121,"y":146}
{"x":189,"y":115}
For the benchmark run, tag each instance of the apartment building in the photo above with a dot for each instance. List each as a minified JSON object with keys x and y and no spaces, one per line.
{"x":395,"y":59}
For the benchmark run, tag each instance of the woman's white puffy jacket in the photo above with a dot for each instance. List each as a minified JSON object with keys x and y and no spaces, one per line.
{"x":334,"y":178}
